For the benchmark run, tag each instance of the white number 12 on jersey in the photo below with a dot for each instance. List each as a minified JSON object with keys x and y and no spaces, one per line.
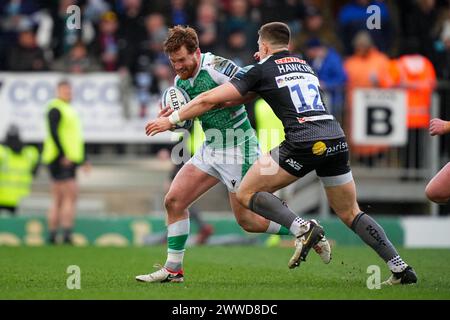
{"x":306,"y":97}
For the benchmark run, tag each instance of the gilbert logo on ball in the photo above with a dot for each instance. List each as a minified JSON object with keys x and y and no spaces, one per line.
{"x":176,"y":98}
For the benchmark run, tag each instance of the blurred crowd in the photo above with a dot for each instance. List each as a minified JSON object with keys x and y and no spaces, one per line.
{"x":128,"y":34}
{"x":410,"y":49}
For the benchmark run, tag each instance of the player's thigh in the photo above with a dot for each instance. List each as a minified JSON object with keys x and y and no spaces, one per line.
{"x":264,"y":175}
{"x":336,"y":176}
{"x":189,"y":184}
{"x":342,"y":198}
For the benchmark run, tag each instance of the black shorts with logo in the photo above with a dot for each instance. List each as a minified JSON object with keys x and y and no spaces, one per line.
{"x":59,"y":172}
{"x":329,"y":158}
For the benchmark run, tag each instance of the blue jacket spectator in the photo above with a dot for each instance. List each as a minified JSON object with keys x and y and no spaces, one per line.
{"x":327,"y":63}
{"x":353,"y":18}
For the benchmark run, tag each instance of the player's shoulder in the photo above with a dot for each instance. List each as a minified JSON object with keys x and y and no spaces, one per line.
{"x":176,"y":81}
{"x":217,"y":64}
{"x":251,"y":70}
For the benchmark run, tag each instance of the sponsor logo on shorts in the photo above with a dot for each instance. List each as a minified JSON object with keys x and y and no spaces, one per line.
{"x":337,"y":148}
{"x":233,"y":182}
{"x":319,"y":148}
{"x":294,"y":164}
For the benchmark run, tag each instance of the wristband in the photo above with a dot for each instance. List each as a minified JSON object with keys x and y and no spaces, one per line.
{"x":174,"y":118}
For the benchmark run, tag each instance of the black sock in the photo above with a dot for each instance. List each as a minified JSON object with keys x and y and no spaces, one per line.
{"x":52,"y":236}
{"x":374,"y":236}
{"x":67,"y":235}
{"x":272,"y":208}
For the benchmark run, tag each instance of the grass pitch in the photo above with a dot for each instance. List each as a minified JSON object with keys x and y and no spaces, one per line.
{"x":214,"y":273}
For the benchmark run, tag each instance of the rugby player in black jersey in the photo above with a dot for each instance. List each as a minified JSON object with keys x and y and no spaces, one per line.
{"x":314,"y":141}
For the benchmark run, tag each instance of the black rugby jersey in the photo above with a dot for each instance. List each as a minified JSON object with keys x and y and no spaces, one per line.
{"x":291,"y":88}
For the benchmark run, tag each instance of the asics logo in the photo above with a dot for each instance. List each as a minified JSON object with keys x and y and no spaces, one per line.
{"x":374,"y":233}
{"x":294,"y":164}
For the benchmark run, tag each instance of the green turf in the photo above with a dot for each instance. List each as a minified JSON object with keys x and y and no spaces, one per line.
{"x":213,"y":273}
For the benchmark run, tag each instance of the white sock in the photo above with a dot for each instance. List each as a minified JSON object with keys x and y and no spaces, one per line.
{"x":396,"y":264}
{"x":177,"y":234}
{"x":299,"y":226}
{"x":273,"y":227}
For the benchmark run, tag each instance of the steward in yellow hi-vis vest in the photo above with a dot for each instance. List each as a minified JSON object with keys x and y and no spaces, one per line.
{"x":68,"y":141}
{"x":63,"y":152}
{"x":18,"y":164}
{"x":269,"y":129}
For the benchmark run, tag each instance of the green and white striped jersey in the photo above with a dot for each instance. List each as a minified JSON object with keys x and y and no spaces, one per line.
{"x":220,"y":125}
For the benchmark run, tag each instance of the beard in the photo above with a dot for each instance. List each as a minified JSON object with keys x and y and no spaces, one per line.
{"x":187,"y":72}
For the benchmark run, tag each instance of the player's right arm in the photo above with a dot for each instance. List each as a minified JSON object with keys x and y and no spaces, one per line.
{"x":439,"y":127}
{"x":249,"y":97}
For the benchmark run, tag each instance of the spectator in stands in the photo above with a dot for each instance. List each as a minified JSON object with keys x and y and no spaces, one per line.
{"x":328,"y":65}
{"x":239,"y":19}
{"x":18,"y":165}
{"x":366,"y":68}
{"x":64,"y":38}
{"x":417,"y":27}
{"x":77,"y":60}
{"x":131,"y":28}
{"x":207,"y":27}
{"x":63,"y":152}
{"x":15,"y":16}
{"x":415,"y":73}
{"x":353,"y":17}
{"x":94,"y":10}
{"x":180,"y":12}
{"x":443,"y":46}
{"x":438,"y":189}
{"x":107,"y":46}
{"x":151,"y":70}
{"x":236,"y":48}
{"x":314,"y":27}
{"x":288,"y":11}
{"x":26,"y":55}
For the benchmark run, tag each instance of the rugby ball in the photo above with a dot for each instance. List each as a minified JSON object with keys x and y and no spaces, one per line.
{"x":176,"y":98}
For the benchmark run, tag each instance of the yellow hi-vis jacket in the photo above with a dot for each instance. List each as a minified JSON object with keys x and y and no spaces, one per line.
{"x":16,"y":174}
{"x":69,"y":132}
{"x":269,"y":129}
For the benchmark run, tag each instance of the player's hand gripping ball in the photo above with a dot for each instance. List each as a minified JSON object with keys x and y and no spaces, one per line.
{"x":176,"y":98}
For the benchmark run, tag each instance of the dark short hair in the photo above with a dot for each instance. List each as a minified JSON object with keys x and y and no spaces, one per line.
{"x":180,"y":36}
{"x":277,"y":33}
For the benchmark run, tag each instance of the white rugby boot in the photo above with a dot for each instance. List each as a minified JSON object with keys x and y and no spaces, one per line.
{"x":323,"y":248}
{"x":161,"y":275}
